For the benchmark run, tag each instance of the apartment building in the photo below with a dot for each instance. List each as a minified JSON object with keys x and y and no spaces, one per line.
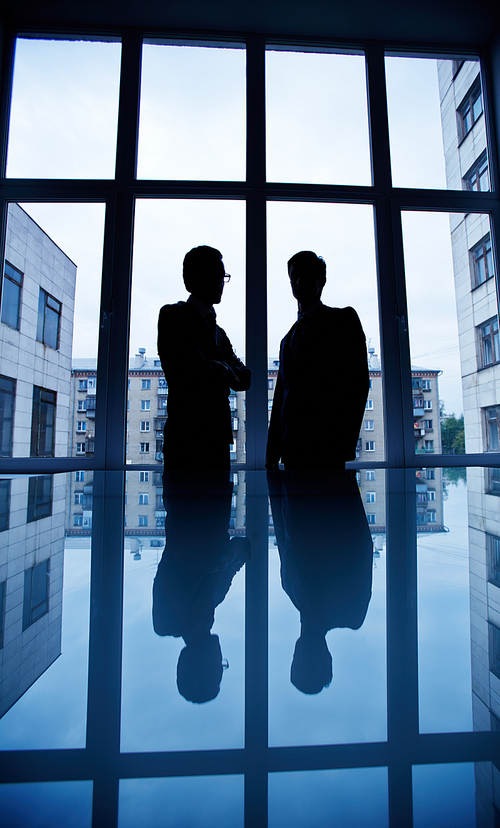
{"x":36,"y":335}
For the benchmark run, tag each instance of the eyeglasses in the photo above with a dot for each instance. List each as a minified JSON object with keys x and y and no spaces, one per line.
{"x":227,"y":277}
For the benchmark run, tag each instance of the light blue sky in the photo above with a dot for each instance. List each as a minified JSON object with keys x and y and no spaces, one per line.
{"x":192,"y":125}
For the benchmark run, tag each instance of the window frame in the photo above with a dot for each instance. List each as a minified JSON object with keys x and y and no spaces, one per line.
{"x":45,"y":309}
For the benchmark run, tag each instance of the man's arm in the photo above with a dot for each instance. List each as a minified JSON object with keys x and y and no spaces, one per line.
{"x":273,"y":450}
{"x":230,"y":368}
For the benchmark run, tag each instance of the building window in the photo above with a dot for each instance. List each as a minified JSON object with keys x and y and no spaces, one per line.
{"x":144,"y":477}
{"x":77,"y":520}
{"x":494,"y":649}
{"x":162,"y":383}
{"x":429,"y":445}
{"x":489,"y":343}
{"x":370,"y":445}
{"x":79,"y":477}
{"x":4,"y":505}
{"x":143,"y":520}
{"x":369,"y":405}
{"x":157,"y":363}
{"x":370,"y":475}
{"x":49,"y":317}
{"x":428,"y":424}
{"x":81,"y":405}
{"x":143,"y":499}
{"x":370,"y":497}
{"x":144,"y":448}
{"x":162,"y":403}
{"x":481,"y":259}
{"x":492,"y":428}
{"x":81,"y":425}
{"x":7,"y":397}
{"x":493,"y":486}
{"x":145,"y":405}
{"x":427,"y":405}
{"x":270,"y":384}
{"x":470,"y":110}
{"x":43,"y":422}
{"x":493,"y":559}
{"x":144,"y":425}
{"x":431,"y":474}
{"x":431,"y":516}
{"x":431,"y":495}
{"x":39,"y":497}
{"x":146,"y":385}
{"x":78,"y":498}
{"x":234,"y":423}
{"x":232,"y":402}
{"x":426,"y":385}
{"x":82,"y":385}
{"x":36,"y":593}
{"x":370,"y":519}
{"x":456,"y":66}
{"x":476,"y":179}
{"x":369,"y":425}
{"x":11,"y":296}
{"x":80,"y":448}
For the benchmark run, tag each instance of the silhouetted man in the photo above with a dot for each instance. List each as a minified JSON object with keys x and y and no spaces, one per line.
{"x":200,"y":367}
{"x":322,"y":383}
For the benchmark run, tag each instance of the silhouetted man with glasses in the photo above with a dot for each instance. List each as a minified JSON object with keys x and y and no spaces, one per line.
{"x":200,"y":367}
{"x":322,"y":383}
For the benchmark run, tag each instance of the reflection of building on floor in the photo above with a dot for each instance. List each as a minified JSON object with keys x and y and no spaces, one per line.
{"x":36,"y":336}
{"x":464,"y":138}
{"x":146,"y":415}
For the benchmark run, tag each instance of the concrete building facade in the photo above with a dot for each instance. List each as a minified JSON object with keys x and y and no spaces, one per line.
{"x":36,"y":337}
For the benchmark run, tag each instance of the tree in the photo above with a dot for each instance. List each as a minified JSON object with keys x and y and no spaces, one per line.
{"x":453,"y":434}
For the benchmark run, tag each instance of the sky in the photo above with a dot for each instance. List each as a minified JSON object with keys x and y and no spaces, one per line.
{"x":192,"y":125}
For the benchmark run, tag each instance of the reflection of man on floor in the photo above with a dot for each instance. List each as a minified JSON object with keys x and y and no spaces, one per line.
{"x":200,"y":367}
{"x":322,"y":383}
{"x":326,"y":555}
{"x":194,"y":575}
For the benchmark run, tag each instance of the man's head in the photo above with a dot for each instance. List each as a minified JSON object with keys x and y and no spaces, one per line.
{"x":203,"y":273}
{"x":307,"y":273}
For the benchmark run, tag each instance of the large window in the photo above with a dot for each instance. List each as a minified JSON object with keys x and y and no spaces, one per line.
{"x":4,"y":504}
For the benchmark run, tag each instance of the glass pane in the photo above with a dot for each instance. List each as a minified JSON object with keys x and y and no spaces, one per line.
{"x":444,"y":795}
{"x":46,"y":589}
{"x":343,"y":235}
{"x":64,"y":109}
{"x":444,"y":636}
{"x":317,"y":118}
{"x":200,"y":802}
{"x":193,"y":626}
{"x":436,"y":123}
{"x":313,"y":799}
{"x":192,"y":121}
{"x":45,"y":804}
{"x":164,"y":232}
{"x":51,"y":356}
{"x":453,"y":322}
{"x":327,"y":610}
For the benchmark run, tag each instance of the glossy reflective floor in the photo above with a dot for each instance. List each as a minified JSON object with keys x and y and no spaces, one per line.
{"x":303,"y":650}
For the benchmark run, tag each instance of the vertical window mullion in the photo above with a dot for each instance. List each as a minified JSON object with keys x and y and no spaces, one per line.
{"x":256,"y":298}
{"x":117,"y":262}
{"x":390,"y":272}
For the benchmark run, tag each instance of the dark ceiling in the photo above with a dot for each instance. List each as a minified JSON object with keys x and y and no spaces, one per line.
{"x":446,"y":21}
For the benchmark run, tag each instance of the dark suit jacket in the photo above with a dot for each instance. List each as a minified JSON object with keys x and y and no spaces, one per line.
{"x":321,"y":391}
{"x":198,"y":430}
